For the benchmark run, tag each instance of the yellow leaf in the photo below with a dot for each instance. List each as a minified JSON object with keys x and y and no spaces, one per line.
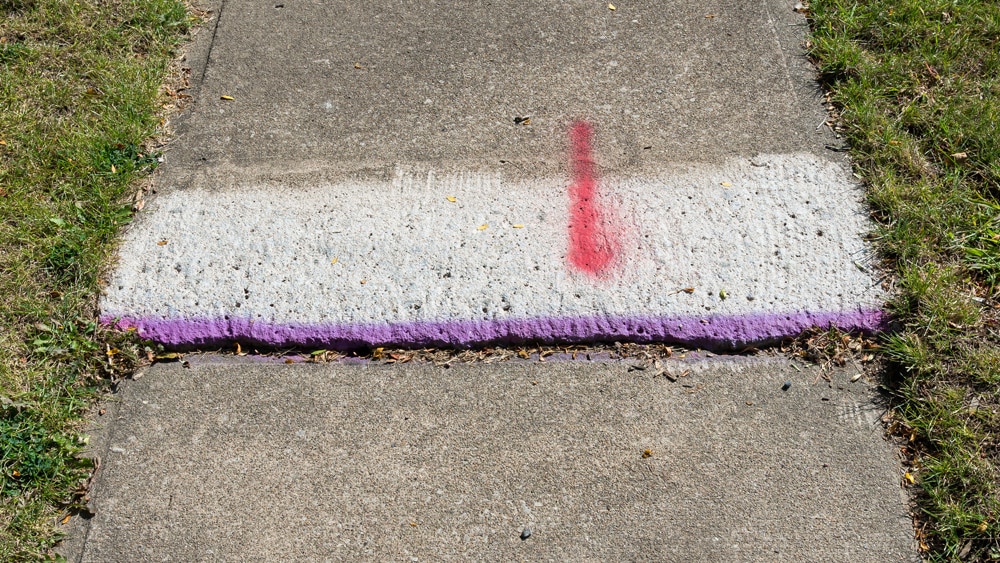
{"x":162,"y":242}
{"x":377,"y":353}
{"x":519,"y":226}
{"x":335,"y":260}
{"x":227,"y":98}
{"x":726,"y":184}
{"x":66,"y":519}
{"x":527,"y":121}
{"x":113,"y":169}
{"x":3,"y":142}
{"x":414,"y":524}
{"x":612,"y":7}
{"x":15,"y":473}
{"x":909,"y":478}
{"x":113,"y":351}
{"x":483,"y":227}
{"x":981,"y":527}
{"x":452,"y":198}
{"x":647,"y":454}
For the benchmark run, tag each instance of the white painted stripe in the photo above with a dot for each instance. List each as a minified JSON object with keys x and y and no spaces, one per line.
{"x":777,"y":233}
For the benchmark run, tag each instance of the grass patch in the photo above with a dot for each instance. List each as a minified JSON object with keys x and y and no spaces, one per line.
{"x":916,"y":85}
{"x":79,"y":100}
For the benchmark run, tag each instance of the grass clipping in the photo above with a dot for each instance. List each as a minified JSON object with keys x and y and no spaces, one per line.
{"x":915,"y":86}
{"x":80,"y":96}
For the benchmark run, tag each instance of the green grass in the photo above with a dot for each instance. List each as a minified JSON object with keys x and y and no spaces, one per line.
{"x":79,"y":100}
{"x":917,"y":86}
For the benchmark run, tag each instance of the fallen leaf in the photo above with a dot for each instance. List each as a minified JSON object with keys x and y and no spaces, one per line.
{"x":414,"y":524}
{"x":523,"y":353}
{"x":518,"y":226}
{"x":726,"y":184}
{"x":113,"y":169}
{"x":960,"y":156}
{"x":363,"y":282}
{"x":710,"y":16}
{"x":66,"y":519}
{"x":483,"y":227}
{"x":335,"y":260}
{"x":162,"y":242}
{"x":3,"y":192}
{"x":239,"y":350}
{"x":112,"y":351}
{"x":909,"y":478}
{"x":377,"y":353}
{"x":856,"y":377}
{"x":688,"y":290}
{"x":647,"y":454}
{"x":982,"y":526}
{"x":612,"y":7}
{"x":15,"y":473}
{"x":358,"y":65}
{"x":168,"y":357}
{"x":452,"y":198}
{"x":227,"y":98}
{"x":289,"y":361}
{"x":3,"y":142}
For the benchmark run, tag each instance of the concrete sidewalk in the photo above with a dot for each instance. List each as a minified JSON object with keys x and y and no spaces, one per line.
{"x":460,"y":173}
{"x":464,"y":173}
{"x":251,"y":462}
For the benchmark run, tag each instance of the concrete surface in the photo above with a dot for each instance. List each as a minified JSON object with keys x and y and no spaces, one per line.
{"x":253,"y":461}
{"x":351,"y":124}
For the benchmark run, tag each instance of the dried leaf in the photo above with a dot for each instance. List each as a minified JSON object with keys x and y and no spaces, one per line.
{"x":612,"y":7}
{"x":518,"y":226}
{"x":335,"y":260}
{"x":227,"y":98}
{"x":483,"y":227}
{"x":452,"y":198}
{"x":647,"y":454}
{"x":358,"y":65}
{"x":162,"y":243}
{"x":726,"y":184}
{"x":909,"y":478}
{"x":688,"y":290}
{"x":113,"y":169}
{"x":710,"y":16}
{"x":65,"y":519}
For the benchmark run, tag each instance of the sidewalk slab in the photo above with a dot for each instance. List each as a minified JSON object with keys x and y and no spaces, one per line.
{"x":364,"y":182}
{"x":253,"y":461}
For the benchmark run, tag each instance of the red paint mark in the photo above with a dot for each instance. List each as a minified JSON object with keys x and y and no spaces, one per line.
{"x":592,"y":245}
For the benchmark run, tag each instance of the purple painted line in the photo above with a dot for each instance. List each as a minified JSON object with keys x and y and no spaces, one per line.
{"x":711,"y":332}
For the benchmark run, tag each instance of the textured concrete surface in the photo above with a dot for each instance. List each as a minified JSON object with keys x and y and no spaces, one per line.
{"x":414,"y":462}
{"x":348,"y":126}
{"x":401,"y":263}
